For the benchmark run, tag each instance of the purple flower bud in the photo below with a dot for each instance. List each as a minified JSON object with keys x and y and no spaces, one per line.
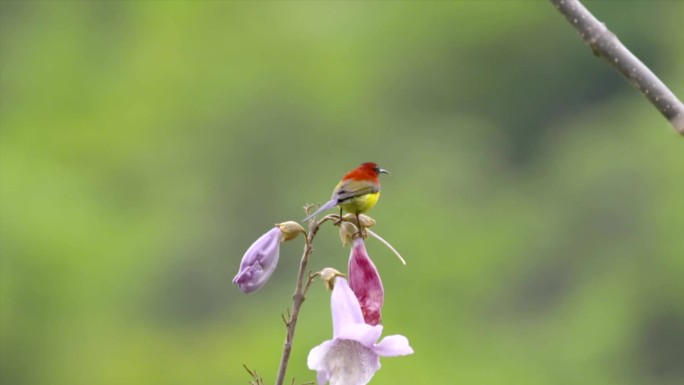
{"x":259,"y":261}
{"x":365,"y":282}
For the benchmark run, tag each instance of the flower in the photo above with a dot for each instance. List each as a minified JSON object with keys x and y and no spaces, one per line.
{"x":259,"y":261}
{"x":352,"y":357}
{"x":365,"y":282}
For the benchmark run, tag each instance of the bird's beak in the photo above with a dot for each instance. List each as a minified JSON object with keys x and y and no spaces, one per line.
{"x":383,"y":171}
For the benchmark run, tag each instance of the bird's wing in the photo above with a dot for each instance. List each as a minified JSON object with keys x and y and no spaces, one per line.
{"x":352,"y":188}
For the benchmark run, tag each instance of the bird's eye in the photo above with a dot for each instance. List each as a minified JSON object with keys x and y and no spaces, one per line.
{"x":377,"y":170}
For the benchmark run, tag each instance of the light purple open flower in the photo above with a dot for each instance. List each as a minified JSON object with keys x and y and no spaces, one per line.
{"x":352,"y":357}
{"x":365,"y":282}
{"x":259,"y":261}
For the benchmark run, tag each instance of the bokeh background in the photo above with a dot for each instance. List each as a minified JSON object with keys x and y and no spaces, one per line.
{"x":538,"y":198}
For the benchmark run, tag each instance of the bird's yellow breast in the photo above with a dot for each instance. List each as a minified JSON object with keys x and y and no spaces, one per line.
{"x":361,"y":204}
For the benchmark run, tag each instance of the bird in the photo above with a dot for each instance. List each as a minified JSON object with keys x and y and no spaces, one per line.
{"x":357,"y":192}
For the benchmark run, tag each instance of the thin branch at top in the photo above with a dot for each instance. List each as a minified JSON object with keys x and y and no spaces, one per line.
{"x":604,"y":43}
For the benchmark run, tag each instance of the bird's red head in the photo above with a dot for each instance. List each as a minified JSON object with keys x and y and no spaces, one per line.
{"x":366,"y":171}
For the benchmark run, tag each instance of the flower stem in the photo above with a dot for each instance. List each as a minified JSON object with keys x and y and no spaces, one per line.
{"x":298,"y":299}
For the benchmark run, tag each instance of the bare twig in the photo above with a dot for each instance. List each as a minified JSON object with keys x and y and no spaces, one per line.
{"x":605,"y":44}
{"x":299,"y":295}
{"x":312,"y":277}
{"x":257,"y":379}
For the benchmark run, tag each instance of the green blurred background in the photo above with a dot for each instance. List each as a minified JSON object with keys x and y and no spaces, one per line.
{"x":538,"y":198}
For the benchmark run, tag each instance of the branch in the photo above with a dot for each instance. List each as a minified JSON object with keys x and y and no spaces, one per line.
{"x":298,"y":298}
{"x":605,"y":44}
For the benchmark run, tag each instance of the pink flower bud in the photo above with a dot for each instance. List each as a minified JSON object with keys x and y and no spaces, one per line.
{"x":365,"y":282}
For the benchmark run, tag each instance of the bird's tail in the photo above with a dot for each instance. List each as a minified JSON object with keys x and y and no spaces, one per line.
{"x":329,"y":204}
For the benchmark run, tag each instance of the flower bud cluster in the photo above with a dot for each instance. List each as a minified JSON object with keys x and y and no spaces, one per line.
{"x":356,"y":301}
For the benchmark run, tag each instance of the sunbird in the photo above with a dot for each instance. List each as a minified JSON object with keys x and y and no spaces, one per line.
{"x":357,"y":192}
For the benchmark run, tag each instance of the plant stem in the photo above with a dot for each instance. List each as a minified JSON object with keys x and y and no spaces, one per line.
{"x":605,"y":44}
{"x":298,"y":299}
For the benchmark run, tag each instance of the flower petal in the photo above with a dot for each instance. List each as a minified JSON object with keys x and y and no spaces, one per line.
{"x":396,"y":345}
{"x":316,"y":361}
{"x":365,"y":334}
{"x":365,"y":282}
{"x":349,"y":363}
{"x":345,"y":307}
{"x":259,"y":261}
